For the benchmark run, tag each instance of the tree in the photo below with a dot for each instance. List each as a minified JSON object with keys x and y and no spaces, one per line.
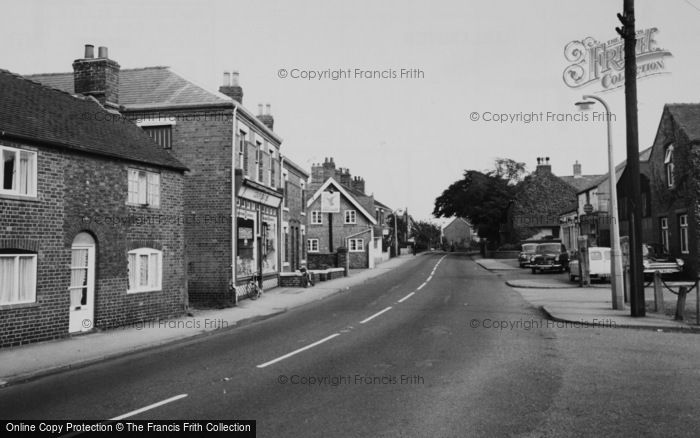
{"x":482,"y":197}
{"x":426,"y":235}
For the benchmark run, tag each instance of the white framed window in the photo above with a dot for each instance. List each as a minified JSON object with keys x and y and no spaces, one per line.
{"x":664,"y":232}
{"x":144,"y":188}
{"x":17,"y":278}
{"x":145,"y":270}
{"x":316,"y":217}
{"x":312,"y":245}
{"x":18,"y":174}
{"x":683,"y":227}
{"x":350,"y":217}
{"x":356,"y":245}
{"x":668,"y":164}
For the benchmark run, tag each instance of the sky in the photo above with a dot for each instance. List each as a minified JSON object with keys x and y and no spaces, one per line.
{"x":409,"y":137}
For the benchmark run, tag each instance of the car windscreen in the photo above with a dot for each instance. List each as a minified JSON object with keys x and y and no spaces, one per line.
{"x":529,"y":247}
{"x":548,"y":247}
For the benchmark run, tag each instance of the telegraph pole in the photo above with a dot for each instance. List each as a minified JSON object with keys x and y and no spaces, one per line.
{"x":637,"y":303}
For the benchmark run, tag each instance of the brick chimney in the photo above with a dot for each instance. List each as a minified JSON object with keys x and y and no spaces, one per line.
{"x":328,"y":168}
{"x":577,"y":169}
{"x":358,"y":183}
{"x":345,"y":177}
{"x":266,"y":118}
{"x":543,"y":165}
{"x":231,"y":88}
{"x":97,"y":77}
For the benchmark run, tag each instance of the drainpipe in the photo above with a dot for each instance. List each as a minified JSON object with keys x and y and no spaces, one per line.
{"x":234,"y":196}
{"x":279,"y":224}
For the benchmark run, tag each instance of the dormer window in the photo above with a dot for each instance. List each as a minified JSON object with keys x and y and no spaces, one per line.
{"x":668,"y":164}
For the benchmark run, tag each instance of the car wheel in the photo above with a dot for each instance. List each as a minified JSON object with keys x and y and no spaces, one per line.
{"x":572,"y":277}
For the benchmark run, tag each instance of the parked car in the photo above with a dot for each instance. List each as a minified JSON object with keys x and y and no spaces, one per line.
{"x":526,"y":253}
{"x":655,"y":258}
{"x":550,"y":257}
{"x":598,"y":264}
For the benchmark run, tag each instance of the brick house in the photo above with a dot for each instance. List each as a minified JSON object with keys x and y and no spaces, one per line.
{"x":539,"y":200}
{"x":338,"y":222}
{"x":234,"y":168}
{"x":295,"y":180}
{"x":674,"y":185}
{"x":91,"y":231}
{"x":458,"y":233}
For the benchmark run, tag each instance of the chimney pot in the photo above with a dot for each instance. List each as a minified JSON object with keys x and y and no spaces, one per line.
{"x":268,"y":110}
{"x":234,"y":78}
{"x":227,"y":79}
{"x":260,"y":109}
{"x":102,"y":52}
{"x":89,"y":51}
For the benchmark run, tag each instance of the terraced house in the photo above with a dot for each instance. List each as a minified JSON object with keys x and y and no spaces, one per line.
{"x":90,"y":230}
{"x":233,"y":192}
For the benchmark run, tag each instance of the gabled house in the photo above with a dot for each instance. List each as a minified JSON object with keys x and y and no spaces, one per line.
{"x":339,"y":224}
{"x":91,"y":217}
{"x":674,"y":184}
{"x":459,"y":233}
{"x":233,"y":190}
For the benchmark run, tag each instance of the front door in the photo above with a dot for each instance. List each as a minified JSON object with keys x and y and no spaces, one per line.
{"x":82,"y":284}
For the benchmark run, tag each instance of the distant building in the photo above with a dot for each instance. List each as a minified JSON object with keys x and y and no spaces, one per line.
{"x":91,"y":229}
{"x":458,"y":234}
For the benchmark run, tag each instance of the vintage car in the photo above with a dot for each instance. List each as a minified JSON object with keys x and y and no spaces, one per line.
{"x":655,"y":258}
{"x":598,"y":264}
{"x":527,"y":251}
{"x":550,"y":257}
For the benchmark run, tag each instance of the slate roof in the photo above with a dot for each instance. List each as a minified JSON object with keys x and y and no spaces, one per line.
{"x":146,"y":86}
{"x":583,"y":182}
{"x":33,"y":112}
{"x":687,"y":115}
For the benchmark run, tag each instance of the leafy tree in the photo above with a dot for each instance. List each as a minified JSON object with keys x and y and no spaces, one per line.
{"x":482,"y":197}
{"x":426,"y":234}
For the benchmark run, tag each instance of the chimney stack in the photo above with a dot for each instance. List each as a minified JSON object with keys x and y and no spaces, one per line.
{"x":231,"y":88}
{"x":577,"y":169}
{"x":266,"y":118}
{"x":97,"y":77}
{"x":543,"y":165}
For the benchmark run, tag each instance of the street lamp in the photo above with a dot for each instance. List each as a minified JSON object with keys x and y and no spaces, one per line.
{"x":616,"y":253}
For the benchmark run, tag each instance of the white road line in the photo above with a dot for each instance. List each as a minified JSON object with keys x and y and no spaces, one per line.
{"x":375,"y":315}
{"x":406,"y":297}
{"x":422,"y":285}
{"x":328,"y":338}
{"x":148,"y":408}
{"x":429,"y":278}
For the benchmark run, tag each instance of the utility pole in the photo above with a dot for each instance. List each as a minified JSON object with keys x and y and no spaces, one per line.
{"x":628,"y":33}
{"x":396,"y":236}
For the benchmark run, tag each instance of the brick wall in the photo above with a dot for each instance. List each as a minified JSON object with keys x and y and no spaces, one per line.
{"x":294,"y":216}
{"x":202,"y":140}
{"x":82,"y":193}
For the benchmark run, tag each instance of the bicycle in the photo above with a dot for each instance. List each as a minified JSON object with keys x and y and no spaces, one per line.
{"x":253,"y":288}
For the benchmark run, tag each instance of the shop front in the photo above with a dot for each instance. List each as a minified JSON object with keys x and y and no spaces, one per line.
{"x":257,"y":235}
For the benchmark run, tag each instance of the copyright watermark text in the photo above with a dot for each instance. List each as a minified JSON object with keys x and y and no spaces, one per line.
{"x":350,"y":379}
{"x":531,"y":324}
{"x":337,"y":74}
{"x":540,"y":117}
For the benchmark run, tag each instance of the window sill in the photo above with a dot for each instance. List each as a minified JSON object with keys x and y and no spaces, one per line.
{"x":140,"y":291}
{"x":9,"y":196}
{"x":19,"y":306}
{"x":143,"y":206}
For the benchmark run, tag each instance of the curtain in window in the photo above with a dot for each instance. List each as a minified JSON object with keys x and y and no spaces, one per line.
{"x":143,"y":270}
{"x":143,"y":188}
{"x":7,"y":280}
{"x":132,"y":271}
{"x":153,"y":270}
{"x":78,"y":272}
{"x":27,"y":278}
{"x":26,"y":173}
{"x":153,"y":189}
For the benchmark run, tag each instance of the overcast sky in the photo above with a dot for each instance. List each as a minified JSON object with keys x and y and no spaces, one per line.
{"x":409,"y":138}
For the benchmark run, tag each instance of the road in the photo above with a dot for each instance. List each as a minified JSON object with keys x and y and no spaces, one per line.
{"x":438,"y":347}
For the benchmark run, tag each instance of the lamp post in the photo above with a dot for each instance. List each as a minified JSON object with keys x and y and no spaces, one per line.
{"x":615,"y":252}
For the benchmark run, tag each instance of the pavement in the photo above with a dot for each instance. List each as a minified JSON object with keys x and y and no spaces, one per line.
{"x":27,"y":362}
{"x":568,"y":303}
